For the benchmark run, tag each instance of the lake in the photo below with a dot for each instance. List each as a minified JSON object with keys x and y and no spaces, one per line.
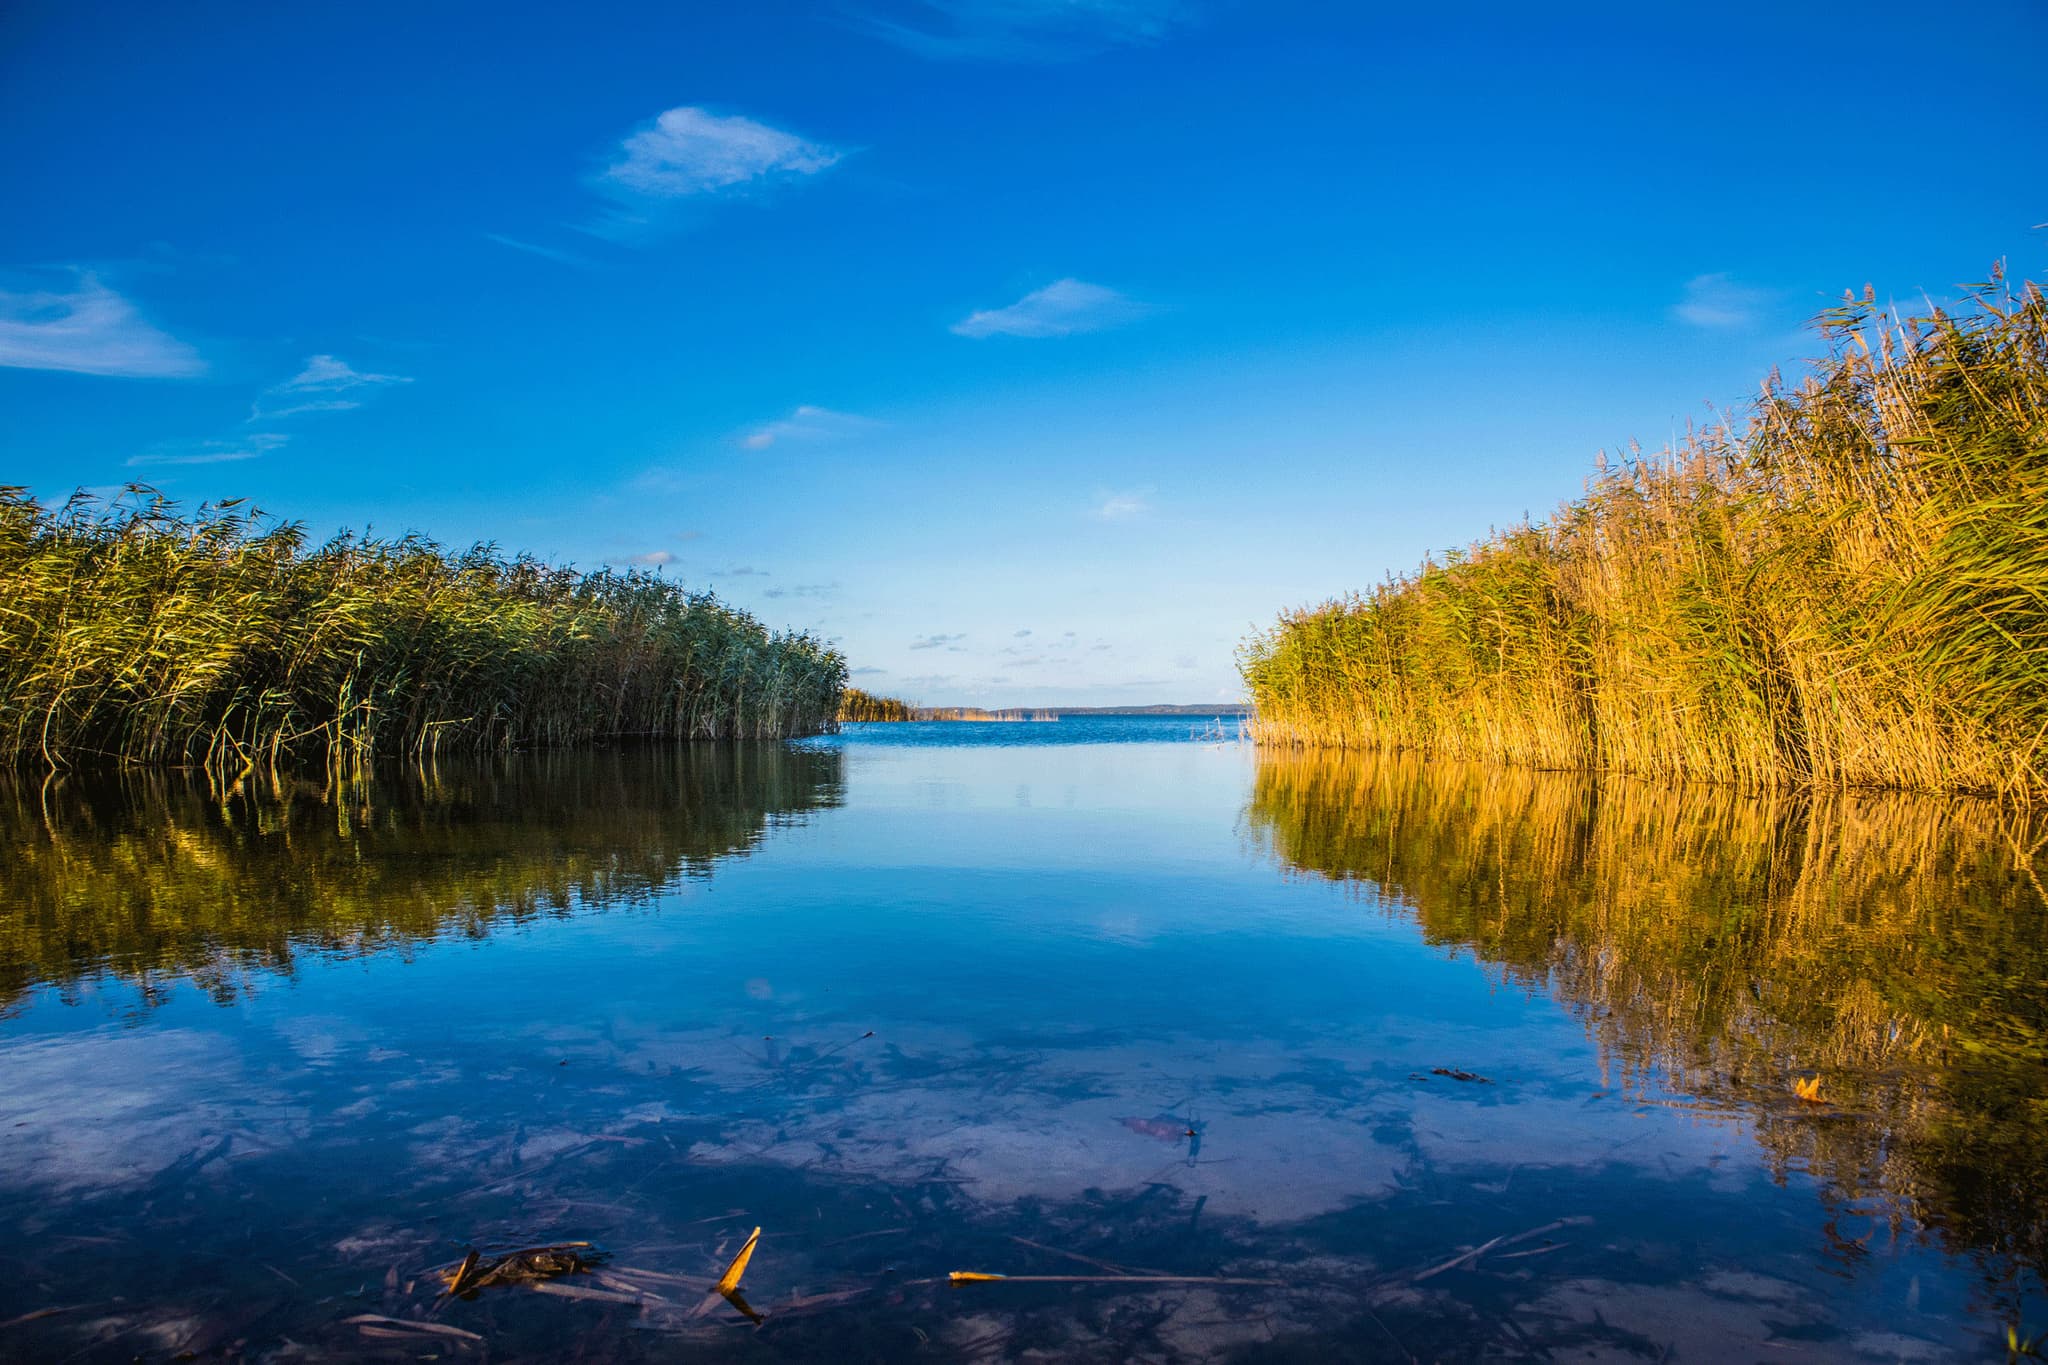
{"x":1330,"y":1058}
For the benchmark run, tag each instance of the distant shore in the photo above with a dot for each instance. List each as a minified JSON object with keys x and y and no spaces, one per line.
{"x":857,"y":706}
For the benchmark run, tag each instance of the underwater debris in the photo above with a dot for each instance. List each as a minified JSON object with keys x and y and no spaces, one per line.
{"x":381,"y":1328}
{"x":527,"y":1265}
{"x":983,"y":1276}
{"x":1457,"y":1075}
{"x":1165,"y":1128}
{"x":1471,"y":1257}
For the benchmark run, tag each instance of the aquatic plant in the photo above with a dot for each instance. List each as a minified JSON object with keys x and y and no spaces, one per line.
{"x":134,"y":632}
{"x":1850,"y":588}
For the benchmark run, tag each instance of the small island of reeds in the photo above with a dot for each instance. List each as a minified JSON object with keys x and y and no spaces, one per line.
{"x":1849,"y":588}
{"x":132,"y":631}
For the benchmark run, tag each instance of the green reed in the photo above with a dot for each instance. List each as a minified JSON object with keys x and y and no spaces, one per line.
{"x":131,"y":631}
{"x":1848,"y":589}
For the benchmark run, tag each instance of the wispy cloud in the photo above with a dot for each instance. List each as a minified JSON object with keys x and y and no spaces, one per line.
{"x":744,"y":571}
{"x":1719,"y":301}
{"x":804,"y":590}
{"x":1020,"y":634}
{"x":1062,"y":308}
{"x":938,"y":642}
{"x":651,"y":559}
{"x":1021,"y":30}
{"x":807,"y":423}
{"x":548,"y":253}
{"x":90,"y":330}
{"x":247,"y":447}
{"x":867,"y":671}
{"x":691,"y":151}
{"x":1132,"y":502}
{"x":326,"y":384}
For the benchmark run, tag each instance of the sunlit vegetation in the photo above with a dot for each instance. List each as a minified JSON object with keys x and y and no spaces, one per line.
{"x":223,"y":639}
{"x":151,"y":876}
{"x":1857,"y":976}
{"x":1848,"y":589}
{"x":856,"y":705}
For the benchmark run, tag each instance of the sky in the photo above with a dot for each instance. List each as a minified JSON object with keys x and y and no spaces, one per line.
{"x":1035,"y":351}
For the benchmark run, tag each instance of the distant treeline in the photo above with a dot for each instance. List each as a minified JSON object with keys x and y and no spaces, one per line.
{"x":132,"y":631}
{"x":1850,"y":589}
{"x":857,"y":705}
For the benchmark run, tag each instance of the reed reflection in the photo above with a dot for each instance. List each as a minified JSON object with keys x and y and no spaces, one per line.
{"x":153,"y":875}
{"x":1735,"y":946}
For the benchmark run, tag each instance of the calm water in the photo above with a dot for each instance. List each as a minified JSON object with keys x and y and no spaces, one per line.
{"x":1057,"y":999}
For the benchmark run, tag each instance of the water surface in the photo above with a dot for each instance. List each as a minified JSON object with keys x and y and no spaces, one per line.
{"x":1072,"y":998}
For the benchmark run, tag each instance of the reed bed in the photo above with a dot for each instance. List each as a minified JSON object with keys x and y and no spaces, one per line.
{"x":222,"y":640}
{"x":1849,"y":588}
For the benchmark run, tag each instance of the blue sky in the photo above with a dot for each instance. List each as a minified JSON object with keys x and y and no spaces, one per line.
{"x":1035,"y":351}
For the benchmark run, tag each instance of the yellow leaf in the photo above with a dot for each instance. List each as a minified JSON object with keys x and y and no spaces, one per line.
{"x":1808,"y":1089}
{"x":730,"y":1280}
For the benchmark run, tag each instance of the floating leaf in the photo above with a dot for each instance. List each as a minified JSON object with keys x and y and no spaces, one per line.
{"x":730,"y":1280}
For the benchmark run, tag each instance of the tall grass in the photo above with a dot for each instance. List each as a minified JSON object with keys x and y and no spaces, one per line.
{"x":1849,"y":589}
{"x":222,"y":639}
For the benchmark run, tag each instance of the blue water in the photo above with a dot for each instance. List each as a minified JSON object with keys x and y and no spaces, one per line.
{"x":1039,"y":999}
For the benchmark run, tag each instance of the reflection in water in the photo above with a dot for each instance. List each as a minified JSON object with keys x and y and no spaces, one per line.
{"x":151,"y":875}
{"x":1894,"y":947}
{"x":1023,"y":1008}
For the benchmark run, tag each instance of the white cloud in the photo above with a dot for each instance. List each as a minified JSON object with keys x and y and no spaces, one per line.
{"x":247,"y":447}
{"x":938,"y":642}
{"x":689,"y":151}
{"x":653,"y":559}
{"x":1023,"y":30}
{"x":91,"y":330}
{"x":326,"y":384}
{"x":1134,"y":502}
{"x":807,"y":423}
{"x":1060,"y":309}
{"x":1718,"y":301}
